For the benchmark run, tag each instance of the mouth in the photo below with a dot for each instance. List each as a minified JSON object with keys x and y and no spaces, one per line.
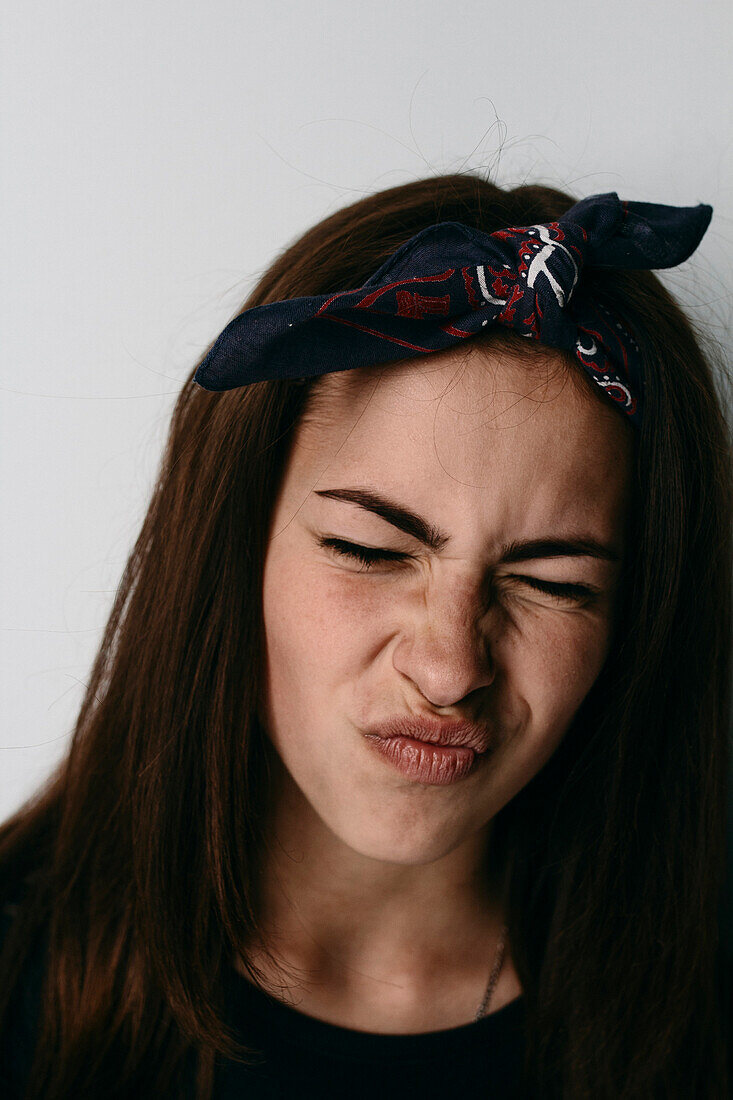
{"x":430,"y":751}
{"x":456,"y":733}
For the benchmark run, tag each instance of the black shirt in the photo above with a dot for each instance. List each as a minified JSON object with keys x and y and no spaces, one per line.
{"x":304,"y":1057}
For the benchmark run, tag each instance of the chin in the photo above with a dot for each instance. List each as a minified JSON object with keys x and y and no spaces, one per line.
{"x":403,"y":845}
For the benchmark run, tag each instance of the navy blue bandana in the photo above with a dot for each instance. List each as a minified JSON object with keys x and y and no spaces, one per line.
{"x":449,"y":282}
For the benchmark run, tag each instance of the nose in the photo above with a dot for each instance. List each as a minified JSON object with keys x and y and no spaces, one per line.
{"x":445,"y":651}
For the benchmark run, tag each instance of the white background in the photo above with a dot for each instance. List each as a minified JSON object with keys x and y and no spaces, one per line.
{"x":157,"y":155}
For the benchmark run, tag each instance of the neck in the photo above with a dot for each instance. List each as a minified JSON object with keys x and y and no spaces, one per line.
{"x":343,"y":929}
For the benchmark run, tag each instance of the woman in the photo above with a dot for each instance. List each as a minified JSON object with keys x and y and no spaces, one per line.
{"x":403,"y":761}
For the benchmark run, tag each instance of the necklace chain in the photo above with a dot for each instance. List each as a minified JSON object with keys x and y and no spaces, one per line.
{"x":496,"y":969}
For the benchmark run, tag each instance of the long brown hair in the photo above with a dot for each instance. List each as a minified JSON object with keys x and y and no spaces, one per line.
{"x":136,"y":865}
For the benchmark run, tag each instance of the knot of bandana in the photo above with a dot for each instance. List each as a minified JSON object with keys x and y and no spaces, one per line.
{"x":449,"y":282}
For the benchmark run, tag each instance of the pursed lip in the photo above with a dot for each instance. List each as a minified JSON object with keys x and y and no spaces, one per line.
{"x":434,"y":731}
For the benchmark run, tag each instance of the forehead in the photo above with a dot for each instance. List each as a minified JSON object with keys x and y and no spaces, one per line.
{"x":484,"y":433}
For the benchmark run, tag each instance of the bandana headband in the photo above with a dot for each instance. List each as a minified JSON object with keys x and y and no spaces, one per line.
{"x":449,"y":282}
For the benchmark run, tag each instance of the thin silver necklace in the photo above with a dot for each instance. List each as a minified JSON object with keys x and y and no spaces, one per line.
{"x":498,"y":960}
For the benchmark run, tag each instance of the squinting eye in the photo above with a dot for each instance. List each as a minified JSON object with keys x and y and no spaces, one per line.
{"x":573,"y":593}
{"x":367,"y":555}
{"x":370,"y":555}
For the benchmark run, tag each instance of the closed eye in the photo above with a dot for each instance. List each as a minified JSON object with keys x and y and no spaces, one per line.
{"x":367,"y":555}
{"x":371,"y":555}
{"x":562,"y":591}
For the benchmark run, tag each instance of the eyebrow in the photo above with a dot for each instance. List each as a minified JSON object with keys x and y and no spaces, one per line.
{"x":413,"y":524}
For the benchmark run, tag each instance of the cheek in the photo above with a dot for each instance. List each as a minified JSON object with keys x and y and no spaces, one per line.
{"x":559,"y":661}
{"x":317,"y":647}
{"x":546,"y":676}
{"x":314,"y":628}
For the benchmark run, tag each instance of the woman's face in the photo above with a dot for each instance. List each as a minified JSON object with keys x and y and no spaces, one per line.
{"x":491,"y":452}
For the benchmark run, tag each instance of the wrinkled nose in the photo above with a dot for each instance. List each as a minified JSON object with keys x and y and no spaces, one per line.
{"x":445,"y":648}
